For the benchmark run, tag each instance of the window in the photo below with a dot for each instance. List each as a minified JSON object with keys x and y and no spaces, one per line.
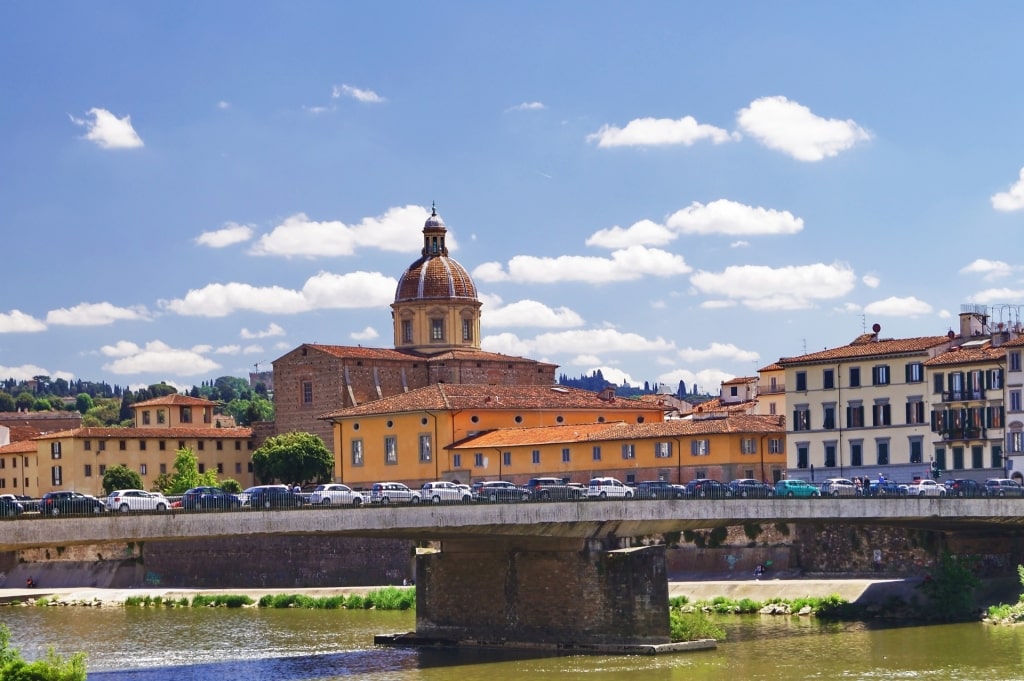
{"x":407,"y":331}
{"x":566,"y":456}
{"x":467,"y":329}
{"x":994,"y":379}
{"x":143,"y":468}
{"x":855,"y":415}
{"x":238,"y":445}
{"x":163,"y":469}
{"x":997,"y":456}
{"x":916,"y":450}
{"x":238,"y":468}
{"x":186,"y":414}
{"x":597,"y":453}
{"x":145,"y":418}
{"x":856,"y":453}
{"x":958,"y":458}
{"x":854,"y":377}
{"x":103,"y":468}
{"x":357,"y":452}
{"x":88,"y":470}
{"x":88,"y":445}
{"x":977,"y":456}
{"x":55,"y":450}
{"x":882,"y":451}
{"x":940,"y":458}
{"x":994,"y":417}
{"x":802,"y":456}
{"x":535,"y":456}
{"x":915,"y":411}
{"x":775,"y":445}
{"x":802,"y":418}
{"x":829,"y":421}
{"x":478,"y":460}
{"x":457,"y":460}
{"x":160,"y":416}
{"x":425,"y":447}
{"x":56,"y":476}
{"x":307,"y":392}
{"x":629,"y":451}
{"x":142,"y":445}
{"x":201,"y":444}
{"x":220,"y":445}
{"x":830,"y":454}
{"x":202,"y":468}
{"x":700,"y":447}
{"x":828,"y":379}
{"x":390,"y":450}
{"x":771,"y":408}
{"x":437,"y":329}
{"x":101,"y":445}
{"x":163,"y":445}
{"x":880,"y":375}
{"x":506,"y":458}
{"x":881,"y":414}
{"x":748,"y":445}
{"x":938,"y":383}
{"x":662,"y":450}
{"x":915,"y":372}
{"x":734,"y":391}
{"x":801,"y":381}
{"x":1014,"y":400}
{"x":1014,"y":358}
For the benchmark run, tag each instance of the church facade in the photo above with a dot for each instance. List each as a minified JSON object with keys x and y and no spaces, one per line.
{"x":436,"y":325}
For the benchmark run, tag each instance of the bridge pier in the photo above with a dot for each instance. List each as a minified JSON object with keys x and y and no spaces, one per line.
{"x":542,"y":592}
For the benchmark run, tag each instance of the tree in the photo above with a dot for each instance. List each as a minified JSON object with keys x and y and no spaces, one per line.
{"x":186,"y":473}
{"x":121,"y":477}
{"x":6,"y":402}
{"x":293,"y":457}
{"x":52,"y":667}
{"x":83,"y":403}
{"x":24,"y":401}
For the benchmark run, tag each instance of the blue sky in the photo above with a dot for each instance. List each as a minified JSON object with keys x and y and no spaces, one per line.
{"x":666,"y":191}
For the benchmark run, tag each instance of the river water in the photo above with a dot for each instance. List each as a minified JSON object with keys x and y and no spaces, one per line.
{"x":184,"y":644}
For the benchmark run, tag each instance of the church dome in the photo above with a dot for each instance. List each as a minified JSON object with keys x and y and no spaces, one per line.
{"x":435,"y":276}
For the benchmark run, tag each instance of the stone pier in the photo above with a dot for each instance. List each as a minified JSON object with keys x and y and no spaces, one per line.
{"x":542,"y":592}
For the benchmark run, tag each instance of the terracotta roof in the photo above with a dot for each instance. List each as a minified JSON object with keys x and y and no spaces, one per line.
{"x":715,"y":405}
{"x":618,"y":430}
{"x":22,"y":447}
{"x":10,"y":416}
{"x":774,"y":366}
{"x":150,"y":433}
{"x":459,"y":396}
{"x":961,"y":355}
{"x":435,"y":276}
{"x":175,"y":400}
{"x":740,"y":380}
{"x":859,"y":349}
{"x":359,"y":352}
{"x":1014,"y":342}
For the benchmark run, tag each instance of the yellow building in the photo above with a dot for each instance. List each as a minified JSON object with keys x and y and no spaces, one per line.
{"x":17,"y":467}
{"x":720,"y":447}
{"x":406,"y":437}
{"x":77,"y":459}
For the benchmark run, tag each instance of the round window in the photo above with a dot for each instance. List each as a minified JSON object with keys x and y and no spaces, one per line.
{"x":474,"y":419}
{"x":355,"y":426}
{"x":390,"y":424}
{"x":600,"y":419}
{"x":423,"y":420}
{"x":639,"y":419}
{"x":519,"y":419}
{"x":559,"y":419}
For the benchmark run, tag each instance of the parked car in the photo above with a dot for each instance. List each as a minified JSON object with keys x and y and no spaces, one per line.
{"x":839,"y":487}
{"x":203,"y":498}
{"x":275,"y":497}
{"x":243,"y":496}
{"x":553,"y":489}
{"x":336,"y":493}
{"x":1003,"y":487}
{"x":750,"y":487}
{"x":27,"y":503}
{"x":66,"y":502}
{"x":659,"y":489}
{"x":793,"y":488}
{"x":608,"y":488}
{"x":10,"y":508}
{"x":442,"y":490}
{"x":393,"y":493}
{"x":498,"y":490}
{"x":887,"y":489}
{"x":705,"y":488}
{"x":926,"y":488}
{"x":965,"y":487}
{"x":125,"y":500}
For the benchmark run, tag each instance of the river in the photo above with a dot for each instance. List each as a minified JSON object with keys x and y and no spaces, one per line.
{"x":184,"y":644}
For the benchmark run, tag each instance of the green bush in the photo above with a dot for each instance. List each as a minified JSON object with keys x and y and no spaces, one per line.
{"x":53,"y":667}
{"x":220,"y":601}
{"x":693,"y":626}
{"x":392,"y":598}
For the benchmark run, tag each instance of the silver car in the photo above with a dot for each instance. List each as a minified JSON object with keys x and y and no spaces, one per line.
{"x":385,"y":493}
{"x":443,"y":490}
{"x":126,"y":500}
{"x":336,"y":493}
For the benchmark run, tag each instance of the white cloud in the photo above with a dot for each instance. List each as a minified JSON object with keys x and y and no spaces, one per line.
{"x":322,"y":291}
{"x":95,"y":314}
{"x":270,"y":331}
{"x":369,"y":333}
{"x":627,"y":264}
{"x":793,"y":129}
{"x":945,"y":314}
{"x":583,"y":360}
{"x":252,"y":349}
{"x":991,"y":269}
{"x":898,"y":307}
{"x":230,"y":233}
{"x":742,"y":243}
{"x":109,"y":131}
{"x":156,"y":357}
{"x":783,"y":288}
{"x":506,"y":344}
{"x":223,"y":105}
{"x":17,"y":321}
{"x":26,"y":372}
{"x":707,"y":380}
{"x":530,"y":313}
{"x":613,"y":375}
{"x":644,"y":232}
{"x":398,"y":230}
{"x":729,"y":217}
{"x":726,"y":351}
{"x":358,"y":94}
{"x":232,"y":349}
{"x":658,"y":304}
{"x":315,"y":110}
{"x":596,"y":341}
{"x":1013,"y":199}
{"x":717,"y":304}
{"x":527,"y":106}
{"x":996,"y":295}
{"x":641,"y":132}
{"x":871,"y":281}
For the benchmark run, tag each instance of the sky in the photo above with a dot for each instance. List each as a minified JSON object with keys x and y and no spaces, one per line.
{"x":665,"y":191}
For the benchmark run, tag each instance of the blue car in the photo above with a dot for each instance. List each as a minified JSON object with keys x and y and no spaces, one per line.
{"x":796,"y":489}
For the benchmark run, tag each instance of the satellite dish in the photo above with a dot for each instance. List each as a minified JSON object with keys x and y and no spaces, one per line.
{"x":876,"y":327}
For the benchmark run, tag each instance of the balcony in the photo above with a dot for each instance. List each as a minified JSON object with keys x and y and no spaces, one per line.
{"x":968,"y":433}
{"x":962,"y":395}
{"x":764,"y":389}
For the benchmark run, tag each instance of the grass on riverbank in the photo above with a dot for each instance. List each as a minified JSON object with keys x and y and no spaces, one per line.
{"x":388,"y":598}
{"x":1009,"y":613}
{"x":828,"y":606}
